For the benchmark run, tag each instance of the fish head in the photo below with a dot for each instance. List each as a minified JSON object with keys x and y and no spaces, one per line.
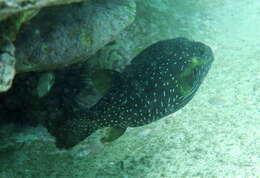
{"x":192,"y":65}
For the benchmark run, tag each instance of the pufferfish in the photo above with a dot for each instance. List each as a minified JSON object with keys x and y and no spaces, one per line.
{"x":162,"y":79}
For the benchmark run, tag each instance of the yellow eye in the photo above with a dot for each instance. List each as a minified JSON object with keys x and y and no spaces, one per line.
{"x":195,"y":61}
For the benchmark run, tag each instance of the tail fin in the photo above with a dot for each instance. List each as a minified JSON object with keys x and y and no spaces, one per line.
{"x":71,"y":131}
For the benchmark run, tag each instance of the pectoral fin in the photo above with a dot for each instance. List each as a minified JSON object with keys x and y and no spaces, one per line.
{"x":113,"y":133}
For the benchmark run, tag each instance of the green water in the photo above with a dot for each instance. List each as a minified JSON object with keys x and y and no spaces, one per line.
{"x":216,"y":135}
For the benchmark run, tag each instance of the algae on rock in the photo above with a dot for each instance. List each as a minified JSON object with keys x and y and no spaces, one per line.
{"x":74,"y":33}
{"x":7,"y":64}
{"x":8,"y":31}
{"x":10,"y":8}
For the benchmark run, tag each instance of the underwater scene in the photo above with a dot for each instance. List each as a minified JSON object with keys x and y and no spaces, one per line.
{"x":129,"y":88}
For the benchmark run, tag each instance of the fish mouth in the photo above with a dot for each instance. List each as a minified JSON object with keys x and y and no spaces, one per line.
{"x":204,"y":53}
{"x":202,"y":60}
{"x":195,"y":68}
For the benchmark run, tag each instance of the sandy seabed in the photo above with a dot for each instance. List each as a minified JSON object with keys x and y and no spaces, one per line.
{"x":216,"y":135}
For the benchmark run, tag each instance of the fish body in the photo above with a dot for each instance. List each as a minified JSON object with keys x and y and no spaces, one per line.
{"x":159,"y":81}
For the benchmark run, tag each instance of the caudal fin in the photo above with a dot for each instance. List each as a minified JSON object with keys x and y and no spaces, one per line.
{"x":69,"y":132}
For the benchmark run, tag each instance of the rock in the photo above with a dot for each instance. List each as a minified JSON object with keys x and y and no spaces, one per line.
{"x":7,"y":66}
{"x":155,"y":20}
{"x":8,"y":31}
{"x":74,"y":33}
{"x":10,"y":7}
{"x":11,"y":26}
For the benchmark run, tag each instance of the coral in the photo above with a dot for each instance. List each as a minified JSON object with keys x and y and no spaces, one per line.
{"x":74,"y":33}
{"x":7,"y":66}
{"x":9,"y":8}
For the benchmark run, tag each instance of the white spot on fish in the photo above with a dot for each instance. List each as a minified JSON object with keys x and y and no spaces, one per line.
{"x":162,"y":104}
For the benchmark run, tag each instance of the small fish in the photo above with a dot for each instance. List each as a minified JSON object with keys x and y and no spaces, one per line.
{"x":45,"y":83}
{"x":159,"y":81}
